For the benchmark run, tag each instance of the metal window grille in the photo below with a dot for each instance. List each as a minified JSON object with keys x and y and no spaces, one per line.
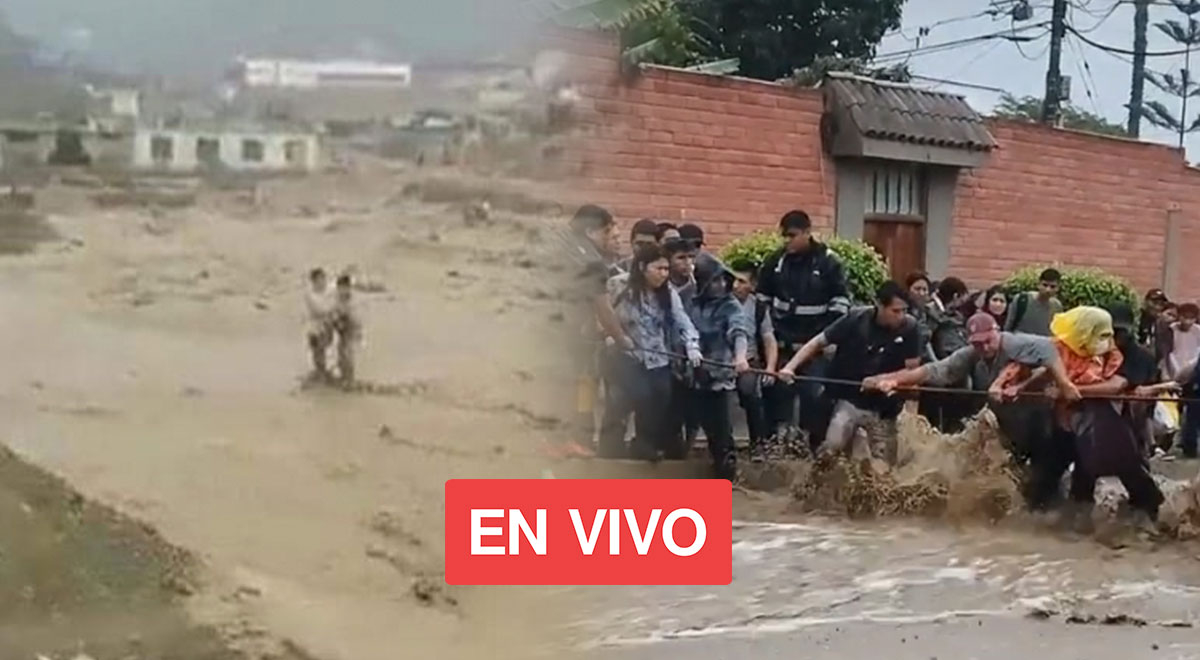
{"x":895,"y":189}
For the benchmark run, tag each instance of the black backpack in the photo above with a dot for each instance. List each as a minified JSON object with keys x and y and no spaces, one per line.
{"x":1022,"y":303}
{"x":949,"y":335}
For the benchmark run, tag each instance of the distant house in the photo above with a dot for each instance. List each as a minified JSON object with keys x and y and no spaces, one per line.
{"x":302,"y":74}
{"x":197,"y":147}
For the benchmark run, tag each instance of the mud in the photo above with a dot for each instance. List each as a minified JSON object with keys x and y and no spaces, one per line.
{"x":78,"y":578}
{"x":21,"y":232}
{"x":161,"y":372}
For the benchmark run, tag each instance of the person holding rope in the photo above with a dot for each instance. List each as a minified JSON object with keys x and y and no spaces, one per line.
{"x":587,"y":250}
{"x":1098,"y":429}
{"x":653,"y":319}
{"x":876,"y":340}
{"x":725,"y":335}
{"x":1027,"y":424}
{"x":806,"y":290}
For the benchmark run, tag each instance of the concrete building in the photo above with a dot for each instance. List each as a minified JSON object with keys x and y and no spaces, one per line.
{"x":301,"y":74}
{"x":251,"y":149}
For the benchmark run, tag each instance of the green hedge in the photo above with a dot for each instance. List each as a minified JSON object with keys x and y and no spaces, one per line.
{"x":1080,"y":286}
{"x":865,"y":268}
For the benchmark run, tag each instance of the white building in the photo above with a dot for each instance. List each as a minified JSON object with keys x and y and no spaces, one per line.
{"x":191,"y":149}
{"x":301,"y":74}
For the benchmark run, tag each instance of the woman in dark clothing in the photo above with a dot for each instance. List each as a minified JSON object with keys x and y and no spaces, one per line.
{"x":725,"y":336}
{"x":653,"y":317}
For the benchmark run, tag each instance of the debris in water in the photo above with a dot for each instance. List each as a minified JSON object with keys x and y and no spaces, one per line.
{"x":429,"y":591}
{"x":1123,"y":620}
{"x":262,"y":305}
{"x":1176,"y":624}
{"x":386,"y":522}
{"x":247,"y":590}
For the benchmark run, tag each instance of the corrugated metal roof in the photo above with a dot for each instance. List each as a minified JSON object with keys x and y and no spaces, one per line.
{"x":889,"y":111}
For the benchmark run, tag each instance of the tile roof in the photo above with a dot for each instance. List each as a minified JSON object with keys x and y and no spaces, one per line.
{"x":890,"y":111}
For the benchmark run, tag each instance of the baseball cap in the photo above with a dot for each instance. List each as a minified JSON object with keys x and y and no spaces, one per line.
{"x":1156,"y":295}
{"x":980,"y":326}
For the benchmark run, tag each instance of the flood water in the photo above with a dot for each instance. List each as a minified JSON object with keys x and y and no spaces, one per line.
{"x":827,"y":587}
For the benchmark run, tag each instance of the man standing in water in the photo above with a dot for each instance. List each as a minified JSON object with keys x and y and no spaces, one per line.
{"x":320,"y":304}
{"x":871,"y":341}
{"x":348,"y":327}
{"x":805,"y":288}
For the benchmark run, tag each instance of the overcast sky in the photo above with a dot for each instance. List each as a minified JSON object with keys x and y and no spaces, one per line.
{"x":170,"y":36}
{"x":1022,"y":71}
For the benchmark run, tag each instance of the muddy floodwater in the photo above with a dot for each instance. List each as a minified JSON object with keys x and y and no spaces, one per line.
{"x":968,"y":574}
{"x":831,"y":588}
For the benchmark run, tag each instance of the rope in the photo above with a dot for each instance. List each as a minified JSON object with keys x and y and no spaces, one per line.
{"x":919,"y":388}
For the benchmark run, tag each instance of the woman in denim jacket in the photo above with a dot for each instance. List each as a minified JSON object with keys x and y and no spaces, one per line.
{"x":653,"y":317}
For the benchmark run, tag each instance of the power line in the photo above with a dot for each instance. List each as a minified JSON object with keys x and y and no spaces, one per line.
{"x":1113,"y":49}
{"x":1039,"y":56}
{"x":1101,"y":17}
{"x":959,"y":83}
{"x":1009,"y":35}
{"x":1084,"y":75}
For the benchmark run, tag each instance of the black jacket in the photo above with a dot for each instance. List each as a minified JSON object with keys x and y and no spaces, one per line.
{"x":806,"y":292}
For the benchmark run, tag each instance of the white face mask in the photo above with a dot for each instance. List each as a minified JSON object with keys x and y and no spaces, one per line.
{"x":1103,"y":346}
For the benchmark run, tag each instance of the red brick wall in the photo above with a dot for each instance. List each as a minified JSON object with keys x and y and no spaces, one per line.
{"x":1049,"y":195}
{"x":734,"y":154}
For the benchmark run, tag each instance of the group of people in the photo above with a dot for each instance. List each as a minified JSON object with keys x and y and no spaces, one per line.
{"x":331,"y":320}
{"x":682,"y":334}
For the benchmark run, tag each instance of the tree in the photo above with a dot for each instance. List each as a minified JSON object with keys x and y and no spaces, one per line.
{"x":772,"y":38}
{"x":652,"y":31}
{"x":667,"y":36}
{"x":1029,"y":108}
{"x":1181,"y":87}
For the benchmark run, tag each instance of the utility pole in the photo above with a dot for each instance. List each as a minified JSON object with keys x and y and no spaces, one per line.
{"x":1137,"y":87}
{"x":1052,"y":103}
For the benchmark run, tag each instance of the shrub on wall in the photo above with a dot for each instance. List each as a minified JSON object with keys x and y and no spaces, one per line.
{"x":865,"y":268}
{"x":1080,"y":286}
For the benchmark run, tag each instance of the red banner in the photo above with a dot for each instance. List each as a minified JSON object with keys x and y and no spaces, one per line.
{"x":589,"y":532}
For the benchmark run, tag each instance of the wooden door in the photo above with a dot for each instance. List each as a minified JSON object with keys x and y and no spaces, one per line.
{"x":901,"y":243}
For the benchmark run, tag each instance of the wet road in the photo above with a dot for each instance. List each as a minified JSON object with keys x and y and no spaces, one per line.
{"x":830,"y":588}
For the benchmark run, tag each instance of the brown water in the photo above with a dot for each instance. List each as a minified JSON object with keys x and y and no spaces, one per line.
{"x":934,"y":559}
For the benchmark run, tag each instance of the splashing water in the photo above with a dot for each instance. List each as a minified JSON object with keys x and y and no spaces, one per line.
{"x":960,"y":477}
